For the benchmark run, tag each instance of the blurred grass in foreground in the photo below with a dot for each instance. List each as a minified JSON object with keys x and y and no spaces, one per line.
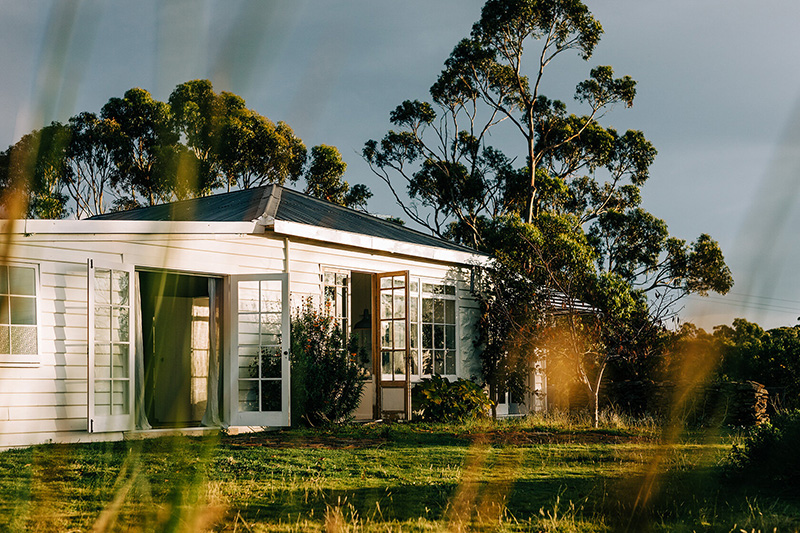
{"x":551,"y":473}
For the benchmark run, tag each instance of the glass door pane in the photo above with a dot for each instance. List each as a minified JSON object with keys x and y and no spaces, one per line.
{"x":260,"y":350}
{"x":110,"y":347}
{"x":393,"y":329}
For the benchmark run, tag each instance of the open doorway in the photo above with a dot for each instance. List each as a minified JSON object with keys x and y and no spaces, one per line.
{"x":179,"y":330}
{"x":375,"y":309}
{"x":361,"y":313}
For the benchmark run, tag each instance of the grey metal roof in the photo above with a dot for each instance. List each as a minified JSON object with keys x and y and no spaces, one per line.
{"x":292,"y":206}
{"x":236,"y":206}
{"x":297,"y":207}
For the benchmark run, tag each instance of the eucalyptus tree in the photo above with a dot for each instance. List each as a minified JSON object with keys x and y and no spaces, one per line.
{"x":198,"y":114}
{"x":145,"y":148}
{"x":91,"y":163}
{"x":255,"y":151}
{"x":324,"y":179}
{"x":233,"y":145}
{"x":560,"y":203}
{"x":140,"y":152}
{"x":460,"y":177}
{"x":33,"y":172}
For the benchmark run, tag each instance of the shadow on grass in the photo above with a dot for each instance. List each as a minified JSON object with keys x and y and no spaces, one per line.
{"x":380,"y":480}
{"x":698,"y":499}
{"x":352,"y":436}
{"x":692,"y":501}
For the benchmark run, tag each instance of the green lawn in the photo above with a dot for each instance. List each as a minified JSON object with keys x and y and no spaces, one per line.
{"x":518,"y":476}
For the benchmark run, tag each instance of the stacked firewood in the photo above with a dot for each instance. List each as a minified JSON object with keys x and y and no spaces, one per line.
{"x":730,"y":403}
{"x":748,"y":404}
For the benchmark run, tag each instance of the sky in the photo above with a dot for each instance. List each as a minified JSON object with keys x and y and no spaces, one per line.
{"x":717,"y":95}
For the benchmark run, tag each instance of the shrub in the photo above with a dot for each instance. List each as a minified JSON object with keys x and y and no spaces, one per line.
{"x":326,"y":379}
{"x":436,"y":399}
{"x":769,"y":451}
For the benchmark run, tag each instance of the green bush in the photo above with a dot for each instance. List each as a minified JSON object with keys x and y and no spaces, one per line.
{"x":436,"y":399}
{"x":769,"y":451}
{"x":326,"y":380}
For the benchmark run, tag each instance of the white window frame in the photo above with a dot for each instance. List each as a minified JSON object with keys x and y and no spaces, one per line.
{"x":27,"y":360}
{"x":348,"y":320}
{"x":98,"y":423}
{"x":418,"y":296}
{"x":415,"y":295}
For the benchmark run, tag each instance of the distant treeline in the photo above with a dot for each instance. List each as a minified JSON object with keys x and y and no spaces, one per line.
{"x":139,"y":151}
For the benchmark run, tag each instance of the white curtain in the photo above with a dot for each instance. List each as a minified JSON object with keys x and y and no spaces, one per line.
{"x":211,"y":417}
{"x":138,"y":382}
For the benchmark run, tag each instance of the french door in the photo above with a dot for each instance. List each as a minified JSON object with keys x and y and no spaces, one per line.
{"x":257,"y":366}
{"x":391,"y":342}
{"x":111,"y":346}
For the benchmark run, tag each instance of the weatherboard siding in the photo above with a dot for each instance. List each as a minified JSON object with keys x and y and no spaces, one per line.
{"x":48,"y":401}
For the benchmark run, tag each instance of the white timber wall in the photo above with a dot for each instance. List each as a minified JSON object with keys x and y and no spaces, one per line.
{"x":308,"y":260}
{"x":48,"y":402}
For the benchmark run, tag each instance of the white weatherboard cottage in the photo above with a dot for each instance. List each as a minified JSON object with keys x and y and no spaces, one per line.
{"x":177,"y":316}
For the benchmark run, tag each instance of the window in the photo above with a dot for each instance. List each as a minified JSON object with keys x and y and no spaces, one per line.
{"x":433,"y":328}
{"x":432,"y":321}
{"x":112,"y":341}
{"x":336,"y":299}
{"x":392,"y":325}
{"x":18,"y":315}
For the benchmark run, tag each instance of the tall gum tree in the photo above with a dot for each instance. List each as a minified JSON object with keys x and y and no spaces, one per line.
{"x":140,"y":151}
{"x":564,"y":211}
{"x":324,"y":179}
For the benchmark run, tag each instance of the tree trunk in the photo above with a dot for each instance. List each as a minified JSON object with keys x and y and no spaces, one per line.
{"x":492,"y":394}
{"x":532,"y":170}
{"x":594,"y":395}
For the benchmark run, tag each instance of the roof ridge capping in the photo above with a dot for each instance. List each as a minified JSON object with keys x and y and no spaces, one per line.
{"x":270,"y":201}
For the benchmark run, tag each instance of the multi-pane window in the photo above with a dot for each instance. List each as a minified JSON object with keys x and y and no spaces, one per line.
{"x":392,"y":323}
{"x":18,"y":334}
{"x":433,"y":328}
{"x":336,"y":299}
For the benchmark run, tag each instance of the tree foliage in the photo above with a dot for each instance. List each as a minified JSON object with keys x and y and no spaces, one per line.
{"x":745,"y":351}
{"x":324,"y":179}
{"x":139,"y":151}
{"x":32,"y":173}
{"x":92,"y":164}
{"x":560,"y":209}
{"x":144,"y":148}
{"x":768,"y":452}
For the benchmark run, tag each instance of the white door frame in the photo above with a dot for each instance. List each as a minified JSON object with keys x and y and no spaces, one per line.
{"x":258,"y":417}
{"x":111,"y":421}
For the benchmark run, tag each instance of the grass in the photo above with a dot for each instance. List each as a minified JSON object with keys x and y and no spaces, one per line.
{"x":538,"y":474}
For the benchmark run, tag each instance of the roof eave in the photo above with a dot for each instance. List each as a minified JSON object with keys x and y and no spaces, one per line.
{"x":367,"y":242}
{"x":290,"y":229}
{"x":126,"y":227}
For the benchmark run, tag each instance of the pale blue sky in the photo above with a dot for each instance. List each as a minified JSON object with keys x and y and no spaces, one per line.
{"x":717,"y":95}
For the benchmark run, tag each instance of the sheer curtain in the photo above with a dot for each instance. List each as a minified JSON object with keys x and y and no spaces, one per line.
{"x":139,"y":384}
{"x":211,"y":416}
